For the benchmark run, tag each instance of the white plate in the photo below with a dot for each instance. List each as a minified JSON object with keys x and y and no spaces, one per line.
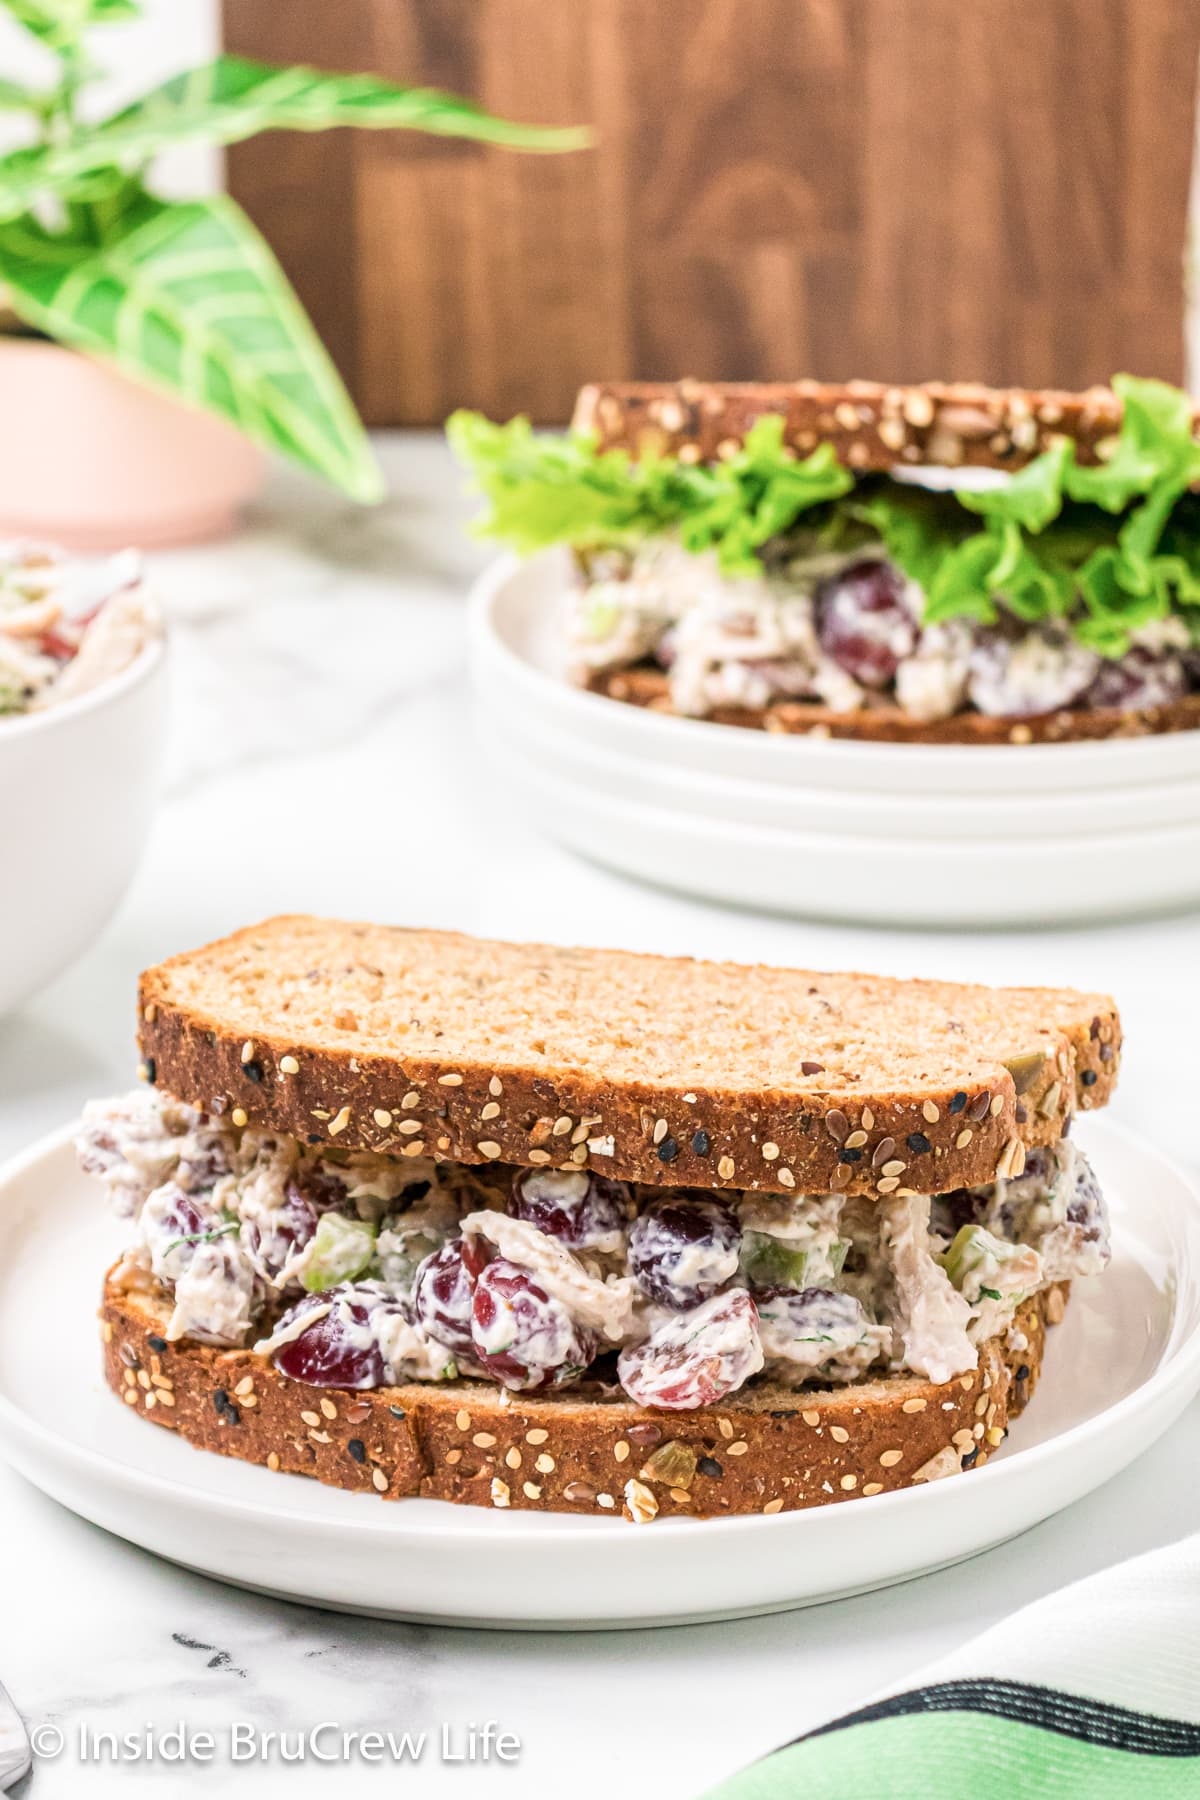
{"x":897,"y":834}
{"x":1120,"y":1370}
{"x":517,"y":654}
{"x":850,"y":877}
{"x":842,"y":810}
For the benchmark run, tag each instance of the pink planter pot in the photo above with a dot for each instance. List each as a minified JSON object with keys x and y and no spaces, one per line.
{"x":94,"y":461}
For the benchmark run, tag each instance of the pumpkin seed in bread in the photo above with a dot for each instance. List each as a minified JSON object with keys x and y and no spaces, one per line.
{"x":817,"y":1219}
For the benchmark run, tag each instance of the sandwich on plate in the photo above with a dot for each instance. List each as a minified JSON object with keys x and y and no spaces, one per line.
{"x":943,"y":563}
{"x":587,"y":1231}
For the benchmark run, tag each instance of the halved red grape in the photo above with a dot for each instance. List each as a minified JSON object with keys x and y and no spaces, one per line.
{"x":684,"y":1249}
{"x":524,"y":1336}
{"x":697,"y":1358}
{"x":1139,"y":678}
{"x":866,"y":621}
{"x":815,"y":1326}
{"x":172,"y":1225}
{"x":337,"y":1349}
{"x":442,"y":1295}
{"x":580,"y":1209}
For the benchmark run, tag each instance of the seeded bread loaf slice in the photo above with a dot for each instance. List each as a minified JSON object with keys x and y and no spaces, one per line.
{"x":652,"y":1069}
{"x":770,"y":1449}
{"x":648,"y":687}
{"x":871,"y":425}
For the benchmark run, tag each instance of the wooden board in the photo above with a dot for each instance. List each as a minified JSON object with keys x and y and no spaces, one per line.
{"x":900,"y":189}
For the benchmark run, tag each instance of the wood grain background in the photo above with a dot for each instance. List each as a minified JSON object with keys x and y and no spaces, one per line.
{"x":900,"y":189}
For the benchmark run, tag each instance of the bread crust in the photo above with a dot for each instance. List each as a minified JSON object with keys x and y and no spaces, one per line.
{"x":956,"y":1120}
{"x":649,"y":687}
{"x":770,"y":1450}
{"x":872,"y":425}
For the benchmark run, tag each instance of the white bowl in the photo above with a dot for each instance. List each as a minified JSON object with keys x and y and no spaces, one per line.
{"x":516,"y":646}
{"x":77,"y":790}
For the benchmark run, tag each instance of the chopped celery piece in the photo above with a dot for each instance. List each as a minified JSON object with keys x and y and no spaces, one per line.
{"x":341,"y":1249}
{"x":773,"y":1262}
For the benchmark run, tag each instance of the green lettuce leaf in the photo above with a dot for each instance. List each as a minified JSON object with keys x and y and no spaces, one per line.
{"x":544,"y":490}
{"x":1030,"y":498}
{"x":1109,"y":548}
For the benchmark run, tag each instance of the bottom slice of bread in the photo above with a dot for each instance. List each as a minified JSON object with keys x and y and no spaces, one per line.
{"x":648,"y":687}
{"x":587,"y":1450}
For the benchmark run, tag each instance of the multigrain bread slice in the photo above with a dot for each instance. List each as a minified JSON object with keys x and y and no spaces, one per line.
{"x":879,"y":723}
{"x":872,"y":425}
{"x":651,"y":1069}
{"x":589,"y":1450}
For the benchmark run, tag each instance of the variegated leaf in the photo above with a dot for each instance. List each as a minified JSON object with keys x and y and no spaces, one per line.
{"x":234,"y":98}
{"x":190,"y":299}
{"x":59,"y":24}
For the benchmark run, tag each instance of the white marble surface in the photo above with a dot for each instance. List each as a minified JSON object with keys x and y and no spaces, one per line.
{"x":322,"y":759}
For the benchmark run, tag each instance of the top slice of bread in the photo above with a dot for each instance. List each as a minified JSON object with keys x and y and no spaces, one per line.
{"x":652,"y":1069}
{"x":872,"y":426}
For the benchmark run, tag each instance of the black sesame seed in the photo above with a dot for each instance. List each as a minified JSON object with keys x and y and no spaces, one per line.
{"x":253,"y":1071}
{"x":701,"y":1143}
{"x":1023,"y":1372}
{"x":1088,"y":1078}
{"x":918,"y":1143}
{"x":397,"y":1412}
{"x":220,"y":1400}
{"x":151,"y":1068}
{"x":231,"y":1414}
{"x":668,"y":1150}
{"x":357,"y":1449}
{"x":313,"y":1137}
{"x":849,"y":1156}
{"x":969,"y":1460}
{"x":957,"y":1101}
{"x":157,"y":1344}
{"x":708,"y":1465}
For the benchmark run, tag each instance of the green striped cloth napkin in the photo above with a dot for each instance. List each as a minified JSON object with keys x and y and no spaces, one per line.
{"x":1090,"y":1694}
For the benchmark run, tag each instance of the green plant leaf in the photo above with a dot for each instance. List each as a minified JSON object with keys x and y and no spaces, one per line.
{"x":189,"y":299}
{"x":59,"y":24}
{"x":15,"y":98}
{"x":233,"y":98}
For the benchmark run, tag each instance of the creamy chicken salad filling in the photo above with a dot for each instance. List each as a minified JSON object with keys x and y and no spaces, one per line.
{"x":67,"y":626}
{"x":355,"y":1270}
{"x":844,"y":630}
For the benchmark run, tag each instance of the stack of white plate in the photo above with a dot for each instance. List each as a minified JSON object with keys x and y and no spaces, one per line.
{"x":920,"y":834}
